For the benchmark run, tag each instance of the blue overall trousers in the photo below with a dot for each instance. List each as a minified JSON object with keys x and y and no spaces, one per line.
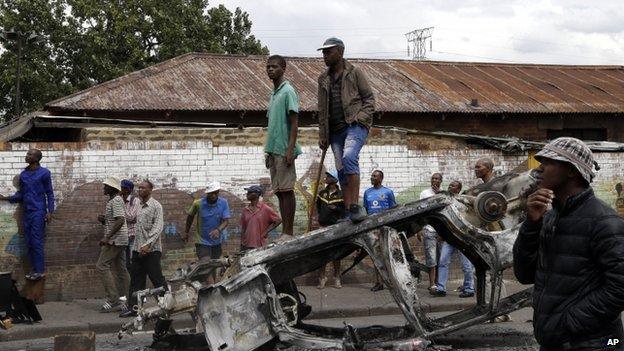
{"x":37,"y":198}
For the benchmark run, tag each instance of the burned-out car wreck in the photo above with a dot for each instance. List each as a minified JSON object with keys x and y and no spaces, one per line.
{"x":256,"y":302}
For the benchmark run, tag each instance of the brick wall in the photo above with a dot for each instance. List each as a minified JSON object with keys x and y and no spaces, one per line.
{"x":181,"y":161}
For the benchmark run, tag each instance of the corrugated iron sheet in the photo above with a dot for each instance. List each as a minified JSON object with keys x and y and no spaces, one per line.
{"x":208,"y":82}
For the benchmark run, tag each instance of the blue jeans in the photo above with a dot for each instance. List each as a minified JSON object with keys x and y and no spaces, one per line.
{"x":346,"y":146}
{"x":443,"y":268}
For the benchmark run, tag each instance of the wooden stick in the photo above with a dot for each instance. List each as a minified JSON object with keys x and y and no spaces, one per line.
{"x":318,"y":181}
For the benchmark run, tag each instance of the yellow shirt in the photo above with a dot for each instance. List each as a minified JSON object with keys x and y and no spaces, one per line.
{"x":619,"y":205}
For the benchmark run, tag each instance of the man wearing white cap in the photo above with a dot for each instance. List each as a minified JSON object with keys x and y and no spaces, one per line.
{"x":212,"y":213}
{"x":345,"y":110}
{"x":571,"y":247}
{"x":112,"y":261}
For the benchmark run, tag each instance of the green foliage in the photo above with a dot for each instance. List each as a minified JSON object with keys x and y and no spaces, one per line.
{"x":92,"y":41}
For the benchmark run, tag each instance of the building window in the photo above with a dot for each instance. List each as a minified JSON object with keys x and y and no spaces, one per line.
{"x":596,"y":134}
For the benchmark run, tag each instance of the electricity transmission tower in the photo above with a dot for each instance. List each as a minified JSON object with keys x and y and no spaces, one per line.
{"x":417,"y":42}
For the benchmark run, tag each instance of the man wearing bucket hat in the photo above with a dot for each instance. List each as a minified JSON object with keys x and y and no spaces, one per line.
{"x":330,"y":208}
{"x":213,"y":213}
{"x":345,"y":110}
{"x":571,"y":246}
{"x":112,"y":263}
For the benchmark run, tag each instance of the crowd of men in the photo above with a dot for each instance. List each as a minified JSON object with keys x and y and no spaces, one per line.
{"x":571,"y":245}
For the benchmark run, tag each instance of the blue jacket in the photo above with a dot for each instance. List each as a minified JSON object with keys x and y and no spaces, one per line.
{"x":35,"y":190}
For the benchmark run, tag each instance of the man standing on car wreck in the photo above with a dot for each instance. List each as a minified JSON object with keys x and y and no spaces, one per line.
{"x":573,"y":253}
{"x":345,"y":110}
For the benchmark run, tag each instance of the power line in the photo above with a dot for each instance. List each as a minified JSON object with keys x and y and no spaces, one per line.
{"x":325,"y":29}
{"x":417,"y":40}
{"x":474,"y":56}
{"x":375,"y":32}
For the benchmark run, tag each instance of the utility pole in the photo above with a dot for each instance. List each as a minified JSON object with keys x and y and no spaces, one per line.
{"x":18,"y":37}
{"x":417,"y":42}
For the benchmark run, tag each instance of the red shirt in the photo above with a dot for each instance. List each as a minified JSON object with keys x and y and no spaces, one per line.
{"x":253,"y":225}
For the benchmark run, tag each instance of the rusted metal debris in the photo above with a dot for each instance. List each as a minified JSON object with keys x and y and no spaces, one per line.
{"x":211,"y":82}
{"x":257,"y":302}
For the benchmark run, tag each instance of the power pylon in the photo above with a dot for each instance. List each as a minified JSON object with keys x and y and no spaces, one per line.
{"x":417,"y":42}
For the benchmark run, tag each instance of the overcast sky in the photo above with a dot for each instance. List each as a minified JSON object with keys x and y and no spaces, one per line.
{"x":532,"y":31}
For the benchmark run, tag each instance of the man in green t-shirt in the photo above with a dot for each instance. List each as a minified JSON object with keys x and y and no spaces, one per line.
{"x":281,"y":146}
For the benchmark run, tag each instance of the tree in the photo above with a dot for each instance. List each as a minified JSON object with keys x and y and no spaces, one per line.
{"x":92,"y":41}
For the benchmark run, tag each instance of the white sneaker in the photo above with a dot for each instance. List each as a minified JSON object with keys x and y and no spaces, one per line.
{"x":322,"y":282}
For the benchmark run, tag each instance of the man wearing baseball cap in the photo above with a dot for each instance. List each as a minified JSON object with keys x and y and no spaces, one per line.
{"x":345,"y":110}
{"x":571,"y":246}
{"x":213,"y":213}
{"x":257,"y":220}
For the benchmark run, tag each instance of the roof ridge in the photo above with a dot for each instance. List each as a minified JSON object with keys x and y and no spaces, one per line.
{"x":435,"y":62}
{"x":201,"y":80}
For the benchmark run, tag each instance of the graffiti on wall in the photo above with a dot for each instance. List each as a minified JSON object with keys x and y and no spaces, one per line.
{"x":73,"y":235}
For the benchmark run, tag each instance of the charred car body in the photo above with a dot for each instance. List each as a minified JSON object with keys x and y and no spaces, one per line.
{"x":257,"y":303}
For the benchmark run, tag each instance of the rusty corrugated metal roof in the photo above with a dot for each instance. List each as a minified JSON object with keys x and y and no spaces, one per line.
{"x":209,"y":82}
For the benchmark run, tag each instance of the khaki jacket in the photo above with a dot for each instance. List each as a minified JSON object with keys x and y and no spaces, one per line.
{"x":358,"y":101}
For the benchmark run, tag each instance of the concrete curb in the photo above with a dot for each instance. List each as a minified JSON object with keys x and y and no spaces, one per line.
{"x":37,"y":331}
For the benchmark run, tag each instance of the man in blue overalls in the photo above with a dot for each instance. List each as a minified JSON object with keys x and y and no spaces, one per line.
{"x":36,"y":195}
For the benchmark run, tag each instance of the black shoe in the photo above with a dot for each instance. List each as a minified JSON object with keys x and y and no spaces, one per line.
{"x":377,"y":287}
{"x":344,"y":219}
{"x":466,"y":294}
{"x":356,"y":214}
{"x":128,"y":313}
{"x":437,"y":293}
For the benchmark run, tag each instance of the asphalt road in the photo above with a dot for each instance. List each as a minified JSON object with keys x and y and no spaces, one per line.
{"x":515,"y":335}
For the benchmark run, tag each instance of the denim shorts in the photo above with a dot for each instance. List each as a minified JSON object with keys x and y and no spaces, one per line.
{"x":346,"y":146}
{"x":430,"y":243}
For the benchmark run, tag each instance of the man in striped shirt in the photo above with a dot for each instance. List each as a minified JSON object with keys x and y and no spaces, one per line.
{"x":147,"y":246}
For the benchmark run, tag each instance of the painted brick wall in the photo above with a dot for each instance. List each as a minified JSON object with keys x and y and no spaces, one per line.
{"x":181,"y":161}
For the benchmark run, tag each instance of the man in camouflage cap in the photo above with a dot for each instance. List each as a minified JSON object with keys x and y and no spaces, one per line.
{"x":571,"y":246}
